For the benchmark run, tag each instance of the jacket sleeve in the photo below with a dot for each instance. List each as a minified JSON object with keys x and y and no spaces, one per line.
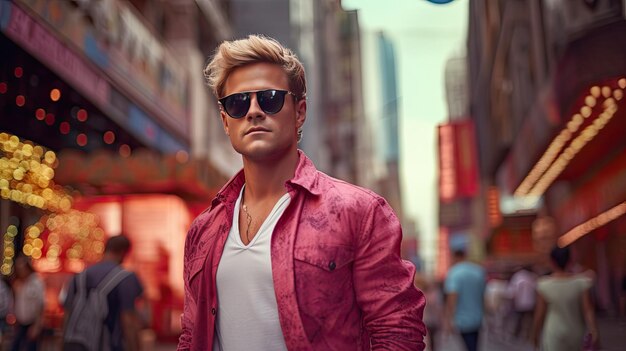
{"x":392,"y":306}
{"x":189,"y":308}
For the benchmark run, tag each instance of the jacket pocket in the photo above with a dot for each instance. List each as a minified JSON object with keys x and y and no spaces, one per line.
{"x":324,"y":284}
{"x":329,"y":258}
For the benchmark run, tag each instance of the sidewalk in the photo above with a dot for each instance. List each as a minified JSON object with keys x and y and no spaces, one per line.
{"x":612,"y":333}
{"x":612,"y":338}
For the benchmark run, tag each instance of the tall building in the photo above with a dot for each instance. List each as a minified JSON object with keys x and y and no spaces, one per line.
{"x":456,"y":88}
{"x":390,"y":185}
{"x":547,"y":81}
{"x":459,"y":184}
{"x":379,"y":134}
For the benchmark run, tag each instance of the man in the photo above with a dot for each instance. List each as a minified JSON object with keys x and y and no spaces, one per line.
{"x":286,"y":257}
{"x":28,"y":291}
{"x":465,"y":289}
{"x":121,"y":325}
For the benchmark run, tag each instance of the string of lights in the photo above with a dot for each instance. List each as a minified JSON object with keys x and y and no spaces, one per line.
{"x":27,"y":177}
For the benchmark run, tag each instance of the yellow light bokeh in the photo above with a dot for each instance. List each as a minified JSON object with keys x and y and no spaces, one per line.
{"x":27,"y":249}
{"x":27,"y":177}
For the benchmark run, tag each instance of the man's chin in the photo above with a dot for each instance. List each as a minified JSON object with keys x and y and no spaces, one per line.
{"x":264,"y":153}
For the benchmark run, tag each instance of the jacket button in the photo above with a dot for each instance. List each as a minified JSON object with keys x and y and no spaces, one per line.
{"x":332,"y":266}
{"x":213,"y":311}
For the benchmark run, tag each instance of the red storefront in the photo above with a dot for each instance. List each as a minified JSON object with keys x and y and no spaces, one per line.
{"x":458,"y":188}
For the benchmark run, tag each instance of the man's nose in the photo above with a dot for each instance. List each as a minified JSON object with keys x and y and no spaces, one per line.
{"x":255,"y":110}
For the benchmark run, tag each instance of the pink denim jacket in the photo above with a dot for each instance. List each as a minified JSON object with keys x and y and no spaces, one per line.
{"x":340,"y":282}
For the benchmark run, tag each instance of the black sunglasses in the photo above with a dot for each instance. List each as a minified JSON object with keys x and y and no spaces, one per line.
{"x":271,"y":101}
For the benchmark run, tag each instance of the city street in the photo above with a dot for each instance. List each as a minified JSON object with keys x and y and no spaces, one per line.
{"x":612,"y":331}
{"x":471,"y":149}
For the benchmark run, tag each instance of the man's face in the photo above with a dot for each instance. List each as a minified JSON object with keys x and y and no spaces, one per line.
{"x":258,"y":135}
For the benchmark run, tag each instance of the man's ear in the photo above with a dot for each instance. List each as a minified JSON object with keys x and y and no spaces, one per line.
{"x":224,"y":122}
{"x":300,"y":113}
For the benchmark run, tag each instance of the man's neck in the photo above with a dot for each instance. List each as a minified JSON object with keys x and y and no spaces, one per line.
{"x":267,"y":179}
{"x":112,"y":258}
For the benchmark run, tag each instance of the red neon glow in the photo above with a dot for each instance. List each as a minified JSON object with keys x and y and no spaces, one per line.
{"x":125,"y":150}
{"x":443,"y":253}
{"x":3,"y":88}
{"x":18,"y":72}
{"x":109,"y":137}
{"x":20,"y":100}
{"x":82,"y":115}
{"x":49,"y":119}
{"x":40,"y":114}
{"x":64,"y":128}
{"x":81,"y":139}
{"x":447,"y":169}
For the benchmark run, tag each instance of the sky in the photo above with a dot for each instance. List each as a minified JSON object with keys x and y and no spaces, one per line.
{"x":425,"y":36}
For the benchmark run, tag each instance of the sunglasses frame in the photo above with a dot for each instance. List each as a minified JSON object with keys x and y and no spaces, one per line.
{"x":222,"y":101}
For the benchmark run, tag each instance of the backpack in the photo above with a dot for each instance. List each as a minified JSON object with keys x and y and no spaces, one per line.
{"x":85,"y":326}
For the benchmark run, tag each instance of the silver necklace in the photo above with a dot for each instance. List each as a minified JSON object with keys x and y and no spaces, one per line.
{"x":248,"y":221}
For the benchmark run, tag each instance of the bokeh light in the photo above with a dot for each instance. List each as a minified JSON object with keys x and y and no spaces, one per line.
{"x":109,"y":137}
{"x":81,"y":115}
{"x":81,"y":139}
{"x":55,"y":94}
{"x":20,"y":100}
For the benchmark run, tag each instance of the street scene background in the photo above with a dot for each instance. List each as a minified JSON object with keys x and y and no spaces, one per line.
{"x":495,"y":127}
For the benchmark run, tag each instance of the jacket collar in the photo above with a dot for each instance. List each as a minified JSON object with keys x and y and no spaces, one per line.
{"x":306,"y":177}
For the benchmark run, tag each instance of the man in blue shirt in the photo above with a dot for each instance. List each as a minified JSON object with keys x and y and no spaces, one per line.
{"x":465,"y":289}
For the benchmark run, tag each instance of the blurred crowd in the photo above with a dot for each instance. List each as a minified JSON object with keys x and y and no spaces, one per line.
{"x":23,"y":324}
{"x":529,"y":307}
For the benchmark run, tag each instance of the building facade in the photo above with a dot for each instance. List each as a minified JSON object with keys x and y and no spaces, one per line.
{"x":107,"y":128}
{"x":551,"y":126}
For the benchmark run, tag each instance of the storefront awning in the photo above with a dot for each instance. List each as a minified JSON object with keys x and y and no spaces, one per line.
{"x":106,"y":173}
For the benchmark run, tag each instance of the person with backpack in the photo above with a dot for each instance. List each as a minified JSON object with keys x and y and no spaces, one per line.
{"x":100,"y":312}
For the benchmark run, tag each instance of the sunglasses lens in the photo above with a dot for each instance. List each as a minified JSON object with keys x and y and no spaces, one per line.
{"x":271,"y":101}
{"x":237,"y":105}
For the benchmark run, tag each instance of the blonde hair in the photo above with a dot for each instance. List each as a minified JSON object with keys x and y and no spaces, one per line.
{"x":256,"y":48}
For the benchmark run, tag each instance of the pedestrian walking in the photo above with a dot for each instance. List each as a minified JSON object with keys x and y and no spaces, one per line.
{"x":100,"y":302}
{"x":6,"y":304}
{"x":522,"y":290}
{"x":465,"y":289}
{"x":497,"y":306}
{"x":433,"y":312}
{"x":564,"y":315}
{"x":28,"y":294}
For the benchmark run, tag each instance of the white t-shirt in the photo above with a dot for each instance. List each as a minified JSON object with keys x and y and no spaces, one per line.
{"x":247,"y":314}
{"x":522,"y":289}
